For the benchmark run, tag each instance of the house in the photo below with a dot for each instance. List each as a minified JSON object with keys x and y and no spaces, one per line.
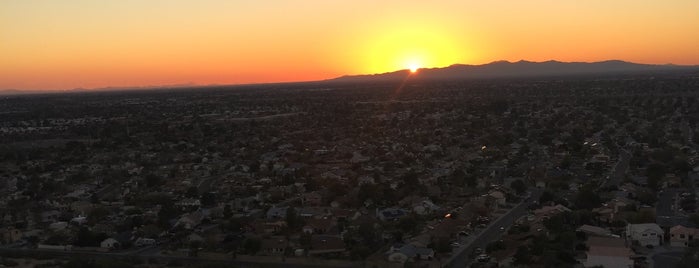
{"x":608,"y":252}
{"x":57,"y":226}
{"x":342,"y":214}
{"x":311,"y":212}
{"x":389,"y":214}
{"x":81,"y":207}
{"x":403,"y":253}
{"x":312,"y":199}
{"x":548,"y":211}
{"x":190,"y":220}
{"x":273,"y":246}
{"x":50,"y":216}
{"x":109,"y":243}
{"x":144,"y":242}
{"x":188,"y":203}
{"x":10,"y":235}
{"x":326,"y":244}
{"x":681,"y":236}
{"x":80,"y":220}
{"x":194,"y":238}
{"x":425,"y":207}
{"x":498,"y":197}
{"x":647,"y":234}
{"x":594,"y":231}
{"x":318,"y":226}
{"x":276,"y":212}
{"x":268,"y":226}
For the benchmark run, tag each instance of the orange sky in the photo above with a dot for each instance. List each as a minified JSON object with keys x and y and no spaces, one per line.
{"x":69,"y":44}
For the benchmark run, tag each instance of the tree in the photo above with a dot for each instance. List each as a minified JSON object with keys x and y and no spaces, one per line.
{"x":305,"y":240}
{"x":519,"y":186}
{"x":252,"y":245}
{"x":655,"y":173}
{"x":291,"y":218}
{"x":86,"y":238}
{"x":471,"y":181}
{"x":522,"y":257}
{"x":208,"y":199}
{"x":407,"y":224}
{"x":152,"y":180}
{"x":97,"y":214}
{"x":546,"y":196}
{"x":587,"y":199}
{"x":694,"y":218}
{"x":166,"y":213}
{"x":192,"y":192}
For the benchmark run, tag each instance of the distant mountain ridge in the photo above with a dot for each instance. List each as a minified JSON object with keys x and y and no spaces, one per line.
{"x":522,"y":68}
{"x":496,"y":69}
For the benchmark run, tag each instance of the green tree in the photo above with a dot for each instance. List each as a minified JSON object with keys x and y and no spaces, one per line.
{"x":546,"y":196}
{"x":292,"y":219}
{"x":252,"y":245}
{"x":208,"y":199}
{"x":97,"y":214}
{"x":152,"y":180}
{"x":519,"y":186}
{"x":523,"y":256}
{"x":167,"y":212}
{"x":587,"y":199}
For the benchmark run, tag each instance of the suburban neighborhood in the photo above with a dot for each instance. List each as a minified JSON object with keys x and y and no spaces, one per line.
{"x":575,"y":172}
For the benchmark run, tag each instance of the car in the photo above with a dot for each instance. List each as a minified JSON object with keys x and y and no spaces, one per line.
{"x":478,"y":251}
{"x":455,"y":244}
{"x":502,"y":228}
{"x":483,"y":258}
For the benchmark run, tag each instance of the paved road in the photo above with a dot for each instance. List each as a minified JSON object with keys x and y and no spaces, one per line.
{"x":491,"y":233}
{"x":666,"y":209}
{"x":666,"y":259}
{"x":619,"y":171}
{"x":666,"y":203}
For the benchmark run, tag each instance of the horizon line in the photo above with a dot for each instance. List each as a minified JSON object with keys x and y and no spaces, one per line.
{"x":191,"y":84}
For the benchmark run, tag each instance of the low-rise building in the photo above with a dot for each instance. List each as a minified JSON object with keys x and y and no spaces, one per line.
{"x":109,"y":243}
{"x":647,"y":234}
{"x":608,"y":252}
{"x":681,"y":236}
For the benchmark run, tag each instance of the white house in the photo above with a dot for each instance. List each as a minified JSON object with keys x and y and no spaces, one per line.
{"x":109,"y":243}
{"x":647,"y":234}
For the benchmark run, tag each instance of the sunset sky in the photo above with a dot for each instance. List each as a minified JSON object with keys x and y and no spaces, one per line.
{"x":69,"y":44}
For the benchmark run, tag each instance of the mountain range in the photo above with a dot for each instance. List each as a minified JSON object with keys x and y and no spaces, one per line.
{"x":496,"y":69}
{"x":521,"y":69}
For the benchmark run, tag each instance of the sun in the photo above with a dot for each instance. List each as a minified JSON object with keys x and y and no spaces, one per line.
{"x":413,"y":67}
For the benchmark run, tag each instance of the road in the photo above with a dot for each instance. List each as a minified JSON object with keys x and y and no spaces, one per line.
{"x":665,"y":257}
{"x":666,"y":209}
{"x":492,"y":232}
{"x":619,"y":171}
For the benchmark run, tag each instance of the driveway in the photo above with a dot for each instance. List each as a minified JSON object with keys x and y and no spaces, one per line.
{"x":665,"y":257}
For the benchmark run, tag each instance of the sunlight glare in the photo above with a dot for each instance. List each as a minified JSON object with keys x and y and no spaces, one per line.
{"x":413,"y":67}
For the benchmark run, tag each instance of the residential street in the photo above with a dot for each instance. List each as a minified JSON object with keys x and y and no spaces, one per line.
{"x":492,"y":232}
